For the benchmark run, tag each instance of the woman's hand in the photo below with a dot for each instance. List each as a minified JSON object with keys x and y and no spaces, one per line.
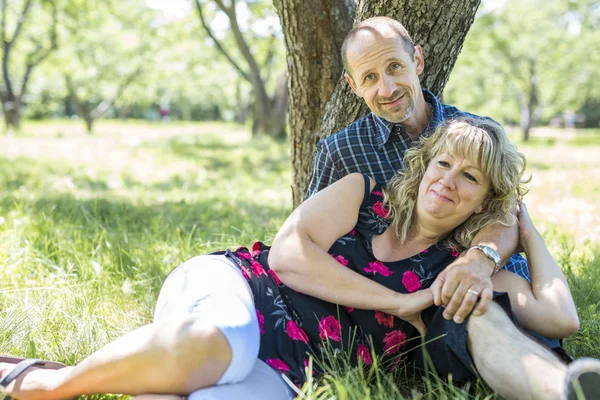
{"x":411,"y":306}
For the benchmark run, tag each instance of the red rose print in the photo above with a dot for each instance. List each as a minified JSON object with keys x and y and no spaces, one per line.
{"x":349,"y":309}
{"x":257,"y":268}
{"x":377,"y":193}
{"x":341,"y":260}
{"x":363,"y":353}
{"x":380,"y":210}
{"x":295,"y":332}
{"x":274,"y":276}
{"x":329,"y":328}
{"x":393,"y":341}
{"x":255,"y":249}
{"x":455,"y":252}
{"x":384,"y":319}
{"x":244,"y":255}
{"x":411,"y":281}
{"x":261,"y":321}
{"x":377,"y":267}
{"x":278,"y":364}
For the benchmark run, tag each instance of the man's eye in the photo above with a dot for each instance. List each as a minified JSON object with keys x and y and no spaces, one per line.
{"x":395,"y":66}
{"x":369,"y":77}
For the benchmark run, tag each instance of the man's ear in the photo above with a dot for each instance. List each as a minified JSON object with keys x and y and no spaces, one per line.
{"x":419,"y":60}
{"x":352,"y":84}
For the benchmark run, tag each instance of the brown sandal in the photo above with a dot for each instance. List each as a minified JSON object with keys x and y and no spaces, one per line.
{"x":22,"y":365}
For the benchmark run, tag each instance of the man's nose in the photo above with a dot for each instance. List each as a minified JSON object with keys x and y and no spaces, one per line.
{"x":386,"y":86}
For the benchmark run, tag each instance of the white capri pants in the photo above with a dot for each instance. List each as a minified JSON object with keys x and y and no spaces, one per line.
{"x":212,"y":289}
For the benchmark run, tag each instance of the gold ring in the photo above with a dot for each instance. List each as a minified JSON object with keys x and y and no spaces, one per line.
{"x":476,"y":293}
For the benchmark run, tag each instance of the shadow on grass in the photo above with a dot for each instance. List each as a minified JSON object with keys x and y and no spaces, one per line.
{"x":137,"y":239}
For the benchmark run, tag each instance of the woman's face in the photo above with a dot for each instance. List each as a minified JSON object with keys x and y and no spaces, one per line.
{"x":451,"y":190}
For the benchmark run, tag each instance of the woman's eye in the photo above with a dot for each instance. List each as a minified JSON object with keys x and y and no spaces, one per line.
{"x":444,"y":164}
{"x":470,"y":177}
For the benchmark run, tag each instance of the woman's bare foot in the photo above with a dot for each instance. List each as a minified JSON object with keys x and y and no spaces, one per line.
{"x":35,"y":383}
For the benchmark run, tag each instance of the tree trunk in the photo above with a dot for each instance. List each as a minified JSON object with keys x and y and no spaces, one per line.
{"x":89,"y":124}
{"x":270,"y":112}
{"x":528,"y":102}
{"x":313,"y":34}
{"x":11,"y":106}
{"x":314,"y":31}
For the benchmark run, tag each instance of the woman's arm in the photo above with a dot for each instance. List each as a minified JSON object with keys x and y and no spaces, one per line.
{"x":300,"y":259}
{"x":546,"y":306}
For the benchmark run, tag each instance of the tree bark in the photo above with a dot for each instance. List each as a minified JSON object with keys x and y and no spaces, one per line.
{"x":11,"y":107}
{"x":313,"y":42}
{"x":313,"y":31}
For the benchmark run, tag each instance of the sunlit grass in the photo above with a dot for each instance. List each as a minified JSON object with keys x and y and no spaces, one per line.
{"x":91,"y":225}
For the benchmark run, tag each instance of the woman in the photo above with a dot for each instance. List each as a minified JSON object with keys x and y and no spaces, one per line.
{"x":348,"y":271}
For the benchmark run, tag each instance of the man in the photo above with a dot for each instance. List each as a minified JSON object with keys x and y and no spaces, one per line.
{"x":383,"y":67}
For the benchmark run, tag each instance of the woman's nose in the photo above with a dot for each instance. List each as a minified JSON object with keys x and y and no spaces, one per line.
{"x":449,"y":180}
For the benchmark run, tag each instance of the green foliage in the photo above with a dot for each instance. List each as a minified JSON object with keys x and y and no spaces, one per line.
{"x":525,"y":42}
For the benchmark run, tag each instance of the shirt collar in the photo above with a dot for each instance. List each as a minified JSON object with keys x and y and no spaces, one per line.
{"x":385,"y":128}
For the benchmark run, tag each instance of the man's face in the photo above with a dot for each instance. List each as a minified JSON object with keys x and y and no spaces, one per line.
{"x":385,"y":75}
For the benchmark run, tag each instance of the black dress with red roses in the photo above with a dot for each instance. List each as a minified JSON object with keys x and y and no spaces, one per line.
{"x":294,"y":326}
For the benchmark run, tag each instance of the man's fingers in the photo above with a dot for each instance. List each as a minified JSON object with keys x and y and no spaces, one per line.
{"x":455,"y":302}
{"x":467,"y":305}
{"x":450,"y":286}
{"x":486,"y":297}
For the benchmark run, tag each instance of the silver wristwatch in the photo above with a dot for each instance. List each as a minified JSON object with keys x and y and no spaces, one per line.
{"x":491,"y":254}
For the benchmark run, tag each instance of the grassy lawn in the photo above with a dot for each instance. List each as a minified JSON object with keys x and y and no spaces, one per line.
{"x":91,"y":225}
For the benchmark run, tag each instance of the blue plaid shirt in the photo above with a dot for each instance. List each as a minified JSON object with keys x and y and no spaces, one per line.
{"x":376,"y":147}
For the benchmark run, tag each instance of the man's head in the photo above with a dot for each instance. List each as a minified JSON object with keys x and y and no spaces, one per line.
{"x":383,"y":67}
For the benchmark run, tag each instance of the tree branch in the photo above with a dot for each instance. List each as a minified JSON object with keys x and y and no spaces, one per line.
{"x":7,"y":44}
{"x":39,"y":55}
{"x":268,"y":63}
{"x":217,"y":43}
{"x":3,"y":22}
{"x":105,"y":105}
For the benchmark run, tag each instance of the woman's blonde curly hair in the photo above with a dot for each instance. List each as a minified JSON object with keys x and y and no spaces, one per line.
{"x":480,"y":140}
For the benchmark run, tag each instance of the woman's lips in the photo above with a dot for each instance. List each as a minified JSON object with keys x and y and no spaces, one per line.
{"x":442,"y":197}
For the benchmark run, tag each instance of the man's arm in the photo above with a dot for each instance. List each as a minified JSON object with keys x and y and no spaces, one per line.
{"x":473,"y":271}
{"x":324,"y":172}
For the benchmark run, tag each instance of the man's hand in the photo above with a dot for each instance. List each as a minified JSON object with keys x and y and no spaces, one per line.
{"x":462,"y":283}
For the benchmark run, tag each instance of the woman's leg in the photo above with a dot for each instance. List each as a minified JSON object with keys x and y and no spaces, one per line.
{"x":206,"y":311}
{"x":263,"y":383}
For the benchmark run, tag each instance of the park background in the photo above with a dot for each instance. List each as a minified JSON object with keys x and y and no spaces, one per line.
{"x":141,"y":133}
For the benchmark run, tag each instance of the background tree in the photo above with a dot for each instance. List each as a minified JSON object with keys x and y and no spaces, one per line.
{"x":25,"y":45}
{"x":529,"y":60}
{"x":110,"y":49}
{"x":269,"y":110}
{"x":321,"y":101}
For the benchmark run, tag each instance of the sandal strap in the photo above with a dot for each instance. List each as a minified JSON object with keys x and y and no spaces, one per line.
{"x":18,"y":370}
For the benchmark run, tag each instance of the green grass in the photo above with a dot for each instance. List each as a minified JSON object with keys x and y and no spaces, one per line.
{"x":91,"y":225}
